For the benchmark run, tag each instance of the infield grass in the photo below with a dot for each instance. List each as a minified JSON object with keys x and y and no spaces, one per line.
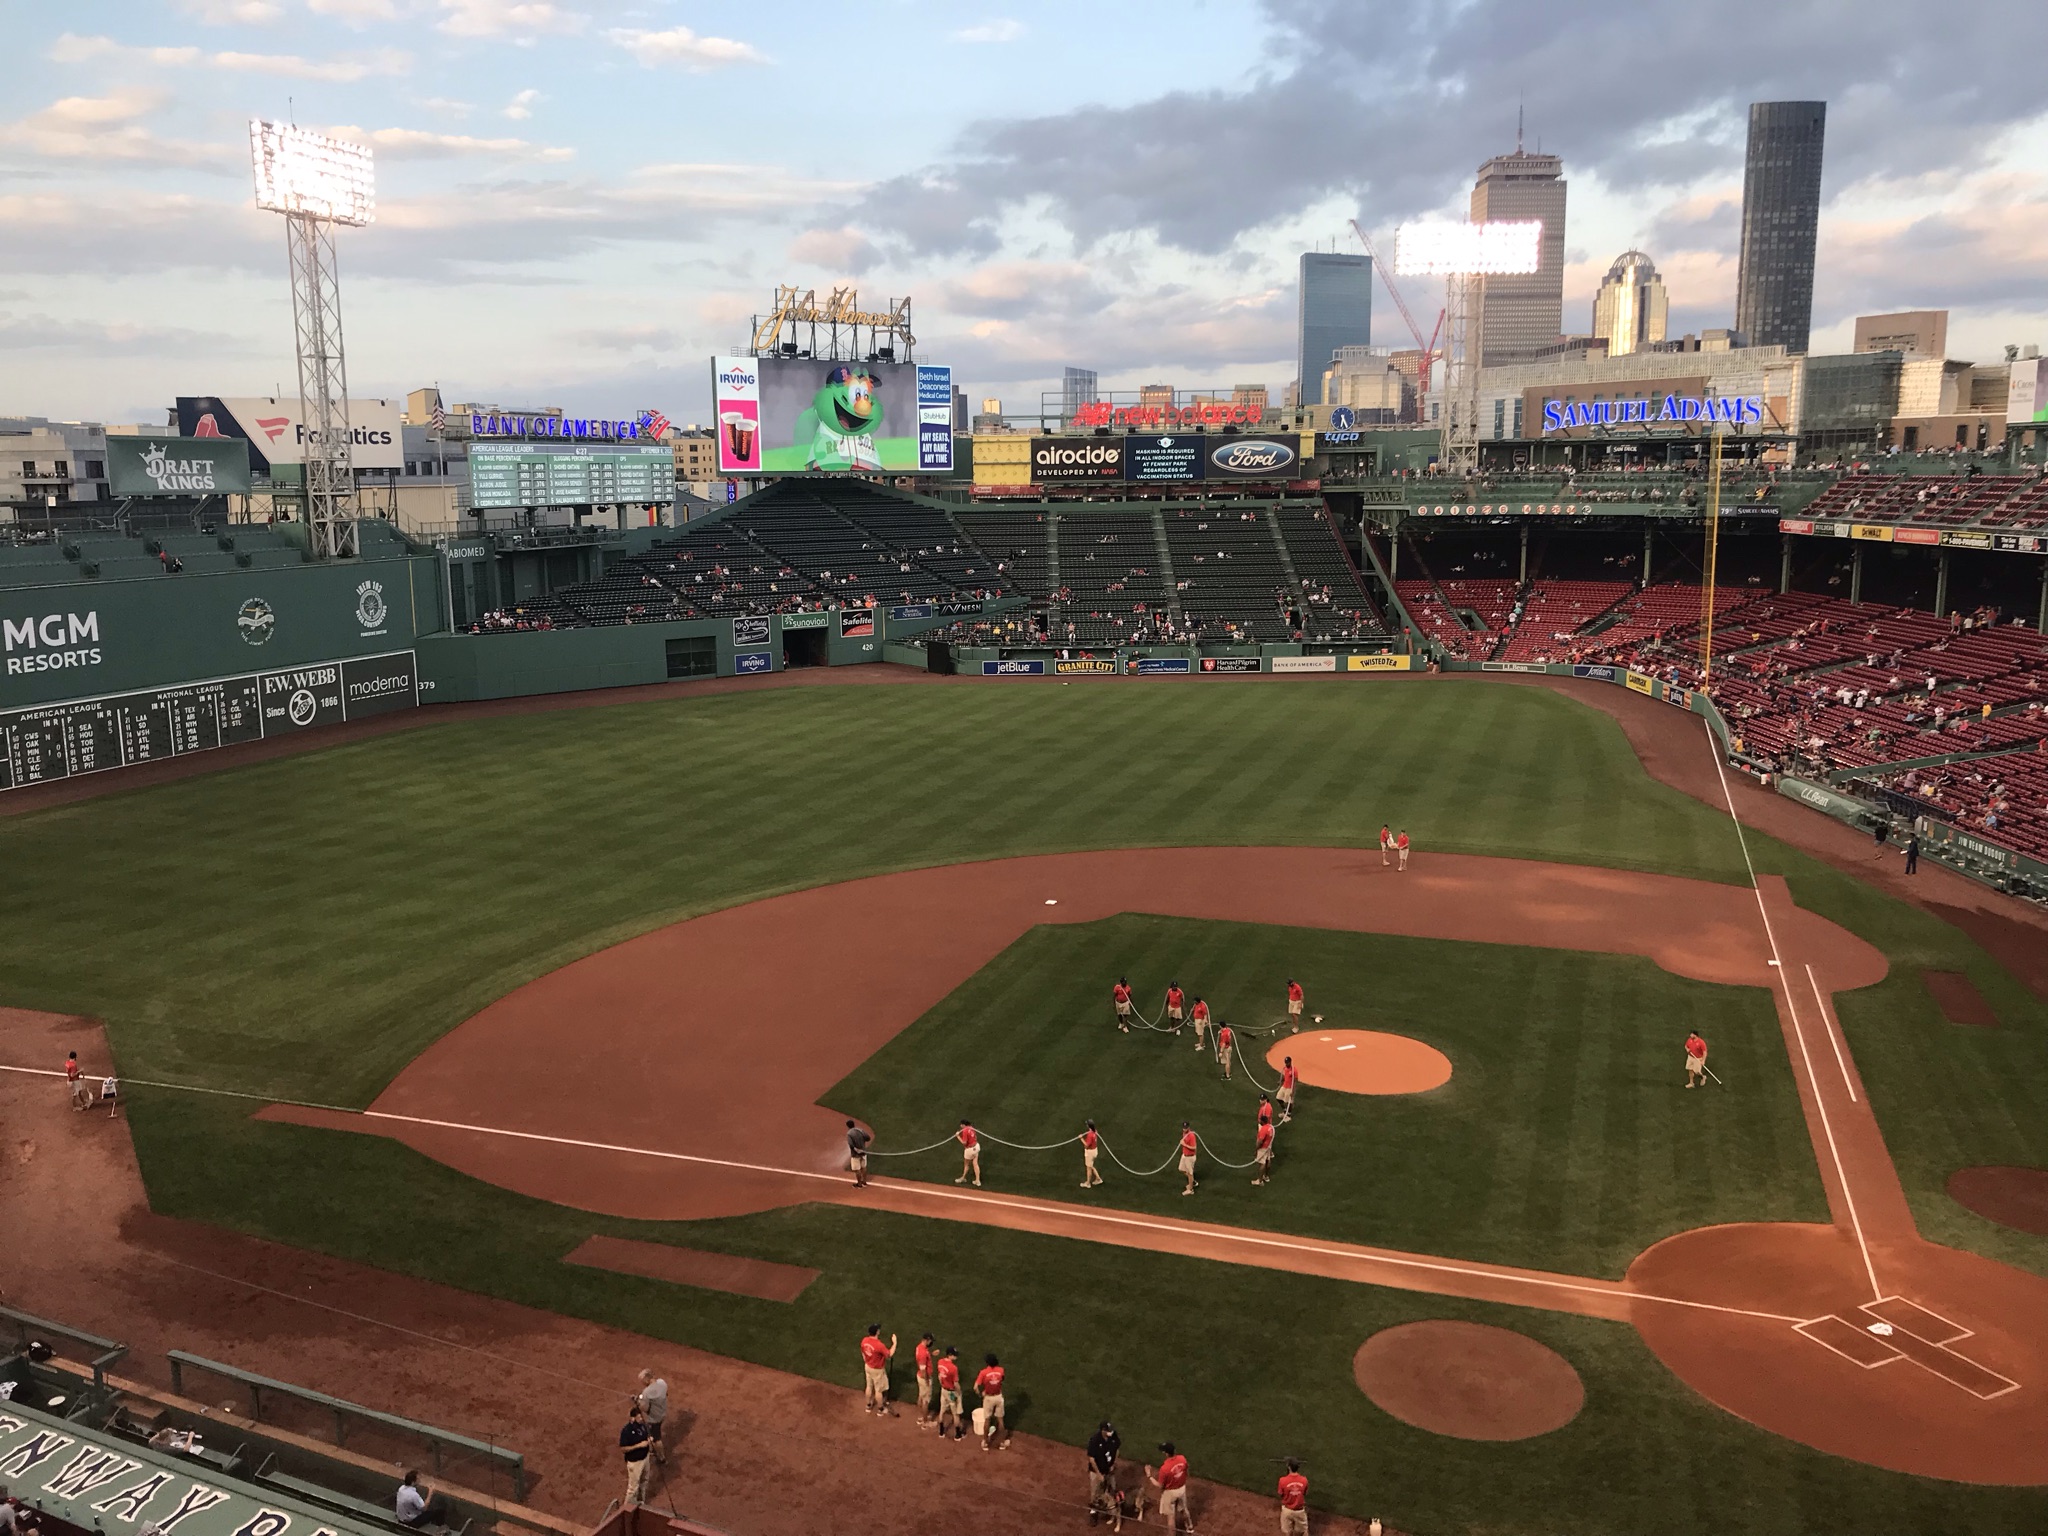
{"x":1566,"y":1138}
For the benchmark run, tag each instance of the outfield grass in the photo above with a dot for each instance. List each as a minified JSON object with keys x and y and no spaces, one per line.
{"x":304,"y":928}
{"x":1565,"y":1139}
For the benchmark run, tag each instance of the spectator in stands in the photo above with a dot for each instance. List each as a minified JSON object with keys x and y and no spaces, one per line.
{"x":418,"y":1509}
{"x":15,"y":1520}
{"x":634,"y":1439}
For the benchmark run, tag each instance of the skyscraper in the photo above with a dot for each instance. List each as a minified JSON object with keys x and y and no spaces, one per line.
{"x":1077,"y":388}
{"x":1630,"y":310}
{"x":1780,"y":217}
{"x":1334,"y":310}
{"x":1524,"y":314}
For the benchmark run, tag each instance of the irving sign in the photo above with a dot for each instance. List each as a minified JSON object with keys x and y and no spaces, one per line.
{"x":177,"y":466}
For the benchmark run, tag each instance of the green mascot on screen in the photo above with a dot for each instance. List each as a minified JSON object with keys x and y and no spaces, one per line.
{"x":838,"y":429}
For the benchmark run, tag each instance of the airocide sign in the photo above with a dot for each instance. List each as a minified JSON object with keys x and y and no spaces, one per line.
{"x":1077,"y":458}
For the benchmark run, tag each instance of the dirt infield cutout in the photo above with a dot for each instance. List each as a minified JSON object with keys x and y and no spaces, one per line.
{"x":1961,"y":1002}
{"x":1468,"y":1380}
{"x":1362,"y":1061}
{"x":2012,"y":1197}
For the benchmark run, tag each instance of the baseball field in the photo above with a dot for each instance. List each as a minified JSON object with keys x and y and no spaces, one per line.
{"x":453,"y":1000}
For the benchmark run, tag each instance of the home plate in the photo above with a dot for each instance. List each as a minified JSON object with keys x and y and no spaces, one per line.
{"x":1882,"y":1330}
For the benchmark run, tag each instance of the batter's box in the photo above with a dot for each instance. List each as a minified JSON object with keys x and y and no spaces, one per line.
{"x":1846,"y":1339}
{"x":1910,"y":1317}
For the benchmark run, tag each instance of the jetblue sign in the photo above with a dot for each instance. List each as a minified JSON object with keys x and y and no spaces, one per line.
{"x":1672,"y":410}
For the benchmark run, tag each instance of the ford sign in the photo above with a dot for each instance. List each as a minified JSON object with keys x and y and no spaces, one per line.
{"x":1253,"y":458}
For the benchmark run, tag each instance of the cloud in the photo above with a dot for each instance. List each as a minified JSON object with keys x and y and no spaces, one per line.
{"x":628,"y":338}
{"x":107,"y":128}
{"x":507,"y":18}
{"x":343,"y":68}
{"x":520,"y":107}
{"x":218,"y":13}
{"x":1000,"y":30}
{"x":43,"y":333}
{"x":448,"y":107}
{"x":1269,"y":148}
{"x":123,"y":232}
{"x":419,"y":144}
{"x":355,"y":12}
{"x":838,"y":250}
{"x":685,"y":49}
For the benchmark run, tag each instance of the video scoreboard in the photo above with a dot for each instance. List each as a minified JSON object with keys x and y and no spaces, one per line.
{"x":569,"y":474}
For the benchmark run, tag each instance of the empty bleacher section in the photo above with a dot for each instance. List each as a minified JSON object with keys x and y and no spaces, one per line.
{"x":2013,"y":502}
{"x":36,"y":556}
{"x":1552,"y":613}
{"x":800,"y":544}
{"x":1257,"y":572}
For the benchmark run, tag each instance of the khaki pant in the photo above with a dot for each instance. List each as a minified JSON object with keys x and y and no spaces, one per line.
{"x":949,"y":1406}
{"x":636,"y":1479}
{"x":1101,"y":1490}
{"x":878,"y":1386}
{"x":924,"y":1395}
{"x":1293,"y":1522}
{"x":1173,"y":1504}
{"x":81,"y":1094}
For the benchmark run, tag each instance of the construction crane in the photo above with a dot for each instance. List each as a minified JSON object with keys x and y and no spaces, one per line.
{"x":1427,"y":348}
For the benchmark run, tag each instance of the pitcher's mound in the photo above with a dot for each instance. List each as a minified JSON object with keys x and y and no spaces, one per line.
{"x":2012,"y":1197}
{"x":1362,"y":1061}
{"x":1468,"y":1380}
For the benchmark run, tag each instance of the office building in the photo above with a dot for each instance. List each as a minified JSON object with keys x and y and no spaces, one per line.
{"x":1922,"y":332}
{"x":1077,"y":388}
{"x":1521,"y":316}
{"x":1630,"y":310}
{"x":1334,"y":309}
{"x":1780,"y":219}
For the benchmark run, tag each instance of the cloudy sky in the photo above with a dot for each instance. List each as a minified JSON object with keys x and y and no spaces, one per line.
{"x":581,"y":200}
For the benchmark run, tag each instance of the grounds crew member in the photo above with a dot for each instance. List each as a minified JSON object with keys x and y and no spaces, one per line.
{"x":857,"y":1154}
{"x":1262,"y":1153}
{"x":874,"y":1358}
{"x":1695,"y":1060}
{"x":1386,"y":842}
{"x":1174,"y":998}
{"x":1401,"y":850}
{"x":1286,"y":1093}
{"x":1172,"y":1483}
{"x":654,"y":1398}
{"x":1187,"y":1155}
{"x":1293,"y":1501}
{"x":1090,"y":1145}
{"x":1225,"y":1040}
{"x":1294,"y":998}
{"x":1201,"y":1019}
{"x":949,"y":1394}
{"x":970,"y":1153}
{"x":1120,"y":995}
{"x":1102,"y":1495}
{"x":988,"y":1381}
{"x":924,"y":1382}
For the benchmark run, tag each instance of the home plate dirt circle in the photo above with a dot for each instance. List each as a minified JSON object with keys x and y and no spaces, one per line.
{"x":1362,"y":1061}
{"x":1468,"y":1380}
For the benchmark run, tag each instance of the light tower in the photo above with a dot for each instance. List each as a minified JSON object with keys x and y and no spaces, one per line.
{"x":1462,"y":254}
{"x":318,"y":183}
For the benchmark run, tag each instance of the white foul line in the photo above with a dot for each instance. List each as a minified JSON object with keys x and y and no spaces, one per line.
{"x":1221,"y":1234}
{"x":1798,"y":1033}
{"x":1832,"y":1027}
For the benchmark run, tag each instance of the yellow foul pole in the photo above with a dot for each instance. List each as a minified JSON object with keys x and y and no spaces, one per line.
{"x":1713,"y":551}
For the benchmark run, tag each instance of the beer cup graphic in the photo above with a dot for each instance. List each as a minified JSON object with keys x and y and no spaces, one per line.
{"x":739,"y":435}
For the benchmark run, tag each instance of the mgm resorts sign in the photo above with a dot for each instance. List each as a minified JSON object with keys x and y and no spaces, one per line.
{"x":1670,"y":411}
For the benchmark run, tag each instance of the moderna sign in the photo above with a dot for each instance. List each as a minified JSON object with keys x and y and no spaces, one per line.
{"x":1674,"y":410}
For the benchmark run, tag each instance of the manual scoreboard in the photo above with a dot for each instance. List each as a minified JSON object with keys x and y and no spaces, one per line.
{"x":569,"y":474}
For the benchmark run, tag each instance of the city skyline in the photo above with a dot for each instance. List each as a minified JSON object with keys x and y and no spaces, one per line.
{"x":627,"y":182}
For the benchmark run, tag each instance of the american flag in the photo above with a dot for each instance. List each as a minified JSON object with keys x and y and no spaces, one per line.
{"x":657,"y":425}
{"x":438,"y":421}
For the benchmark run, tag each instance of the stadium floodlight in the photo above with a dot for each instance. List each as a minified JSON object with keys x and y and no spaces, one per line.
{"x":299,"y":171}
{"x":1444,"y":248}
